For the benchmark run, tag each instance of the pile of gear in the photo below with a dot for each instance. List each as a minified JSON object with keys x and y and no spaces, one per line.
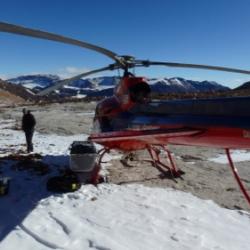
{"x":83,"y":169}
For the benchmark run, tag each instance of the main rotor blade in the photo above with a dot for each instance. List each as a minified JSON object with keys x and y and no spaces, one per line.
{"x":194,"y":66}
{"x":70,"y":80}
{"x":10,"y":28}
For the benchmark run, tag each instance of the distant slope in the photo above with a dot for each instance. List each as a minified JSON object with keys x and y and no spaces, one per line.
{"x":12,"y":94}
{"x":7,"y":98}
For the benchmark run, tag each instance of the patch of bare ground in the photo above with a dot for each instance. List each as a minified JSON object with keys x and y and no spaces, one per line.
{"x":204,"y":179}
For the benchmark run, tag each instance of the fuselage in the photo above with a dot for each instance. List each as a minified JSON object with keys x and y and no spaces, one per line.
{"x":218,"y":123}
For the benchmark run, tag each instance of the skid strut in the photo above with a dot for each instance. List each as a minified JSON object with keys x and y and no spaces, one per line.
{"x":101,"y":154}
{"x":154,"y":152}
{"x":237,"y":177}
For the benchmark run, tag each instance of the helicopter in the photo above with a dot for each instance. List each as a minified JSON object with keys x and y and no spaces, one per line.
{"x":129,"y":120}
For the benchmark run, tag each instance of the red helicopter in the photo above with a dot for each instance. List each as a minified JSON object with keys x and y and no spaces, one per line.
{"x":130,"y":120}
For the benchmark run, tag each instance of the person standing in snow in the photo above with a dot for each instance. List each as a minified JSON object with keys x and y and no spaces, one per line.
{"x":28,"y":126}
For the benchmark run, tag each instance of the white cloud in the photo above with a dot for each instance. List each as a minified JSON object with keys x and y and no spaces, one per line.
{"x":236,"y":82}
{"x":70,"y":71}
{"x":241,"y":80}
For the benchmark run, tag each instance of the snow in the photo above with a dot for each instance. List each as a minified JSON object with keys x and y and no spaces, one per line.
{"x":177,"y":81}
{"x":71,"y":87}
{"x":108,"y":216}
{"x":161,"y":80}
{"x":32,"y":85}
{"x":79,"y":96}
{"x":237,"y":156}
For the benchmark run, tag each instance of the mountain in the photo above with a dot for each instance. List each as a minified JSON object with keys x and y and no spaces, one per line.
{"x":96,"y":83}
{"x":181,"y":85}
{"x":35,"y":82}
{"x":103,"y":86}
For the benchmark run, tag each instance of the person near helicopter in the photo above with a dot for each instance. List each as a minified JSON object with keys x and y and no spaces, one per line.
{"x":28,"y":126}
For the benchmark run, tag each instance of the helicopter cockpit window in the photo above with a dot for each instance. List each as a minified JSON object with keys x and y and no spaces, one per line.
{"x":140,"y":92}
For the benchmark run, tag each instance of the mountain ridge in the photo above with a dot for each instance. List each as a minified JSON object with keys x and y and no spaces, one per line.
{"x":102,"y":86}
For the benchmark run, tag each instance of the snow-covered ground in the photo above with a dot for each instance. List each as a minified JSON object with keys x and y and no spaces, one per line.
{"x":108,"y":216}
{"x":237,"y":156}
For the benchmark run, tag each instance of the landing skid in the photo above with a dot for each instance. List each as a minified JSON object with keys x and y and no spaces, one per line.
{"x":166,"y":169}
{"x":236,"y":176}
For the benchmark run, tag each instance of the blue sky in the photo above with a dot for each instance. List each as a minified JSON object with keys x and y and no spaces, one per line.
{"x":213,"y":32}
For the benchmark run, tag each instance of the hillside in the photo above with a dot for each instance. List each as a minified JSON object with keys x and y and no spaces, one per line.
{"x":8,"y":98}
{"x":13,"y":93}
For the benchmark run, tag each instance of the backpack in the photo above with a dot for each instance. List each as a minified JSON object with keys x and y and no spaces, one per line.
{"x":68,"y":182}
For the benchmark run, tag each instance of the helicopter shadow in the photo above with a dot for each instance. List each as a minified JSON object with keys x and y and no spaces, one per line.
{"x":27,"y":187}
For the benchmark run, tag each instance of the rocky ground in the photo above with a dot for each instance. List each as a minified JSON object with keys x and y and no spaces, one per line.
{"x":203,"y":178}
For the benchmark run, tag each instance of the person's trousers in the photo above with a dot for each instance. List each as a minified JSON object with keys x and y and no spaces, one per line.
{"x":29,"y":135}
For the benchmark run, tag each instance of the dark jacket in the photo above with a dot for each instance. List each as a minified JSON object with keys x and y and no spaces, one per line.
{"x":28,"y":122}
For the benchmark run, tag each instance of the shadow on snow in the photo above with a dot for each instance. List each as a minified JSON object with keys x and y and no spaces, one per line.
{"x":27,"y":187}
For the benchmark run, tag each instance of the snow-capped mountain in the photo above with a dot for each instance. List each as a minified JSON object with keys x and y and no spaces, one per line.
{"x":35,"y":81}
{"x":181,"y":85}
{"x":103,"y":86}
